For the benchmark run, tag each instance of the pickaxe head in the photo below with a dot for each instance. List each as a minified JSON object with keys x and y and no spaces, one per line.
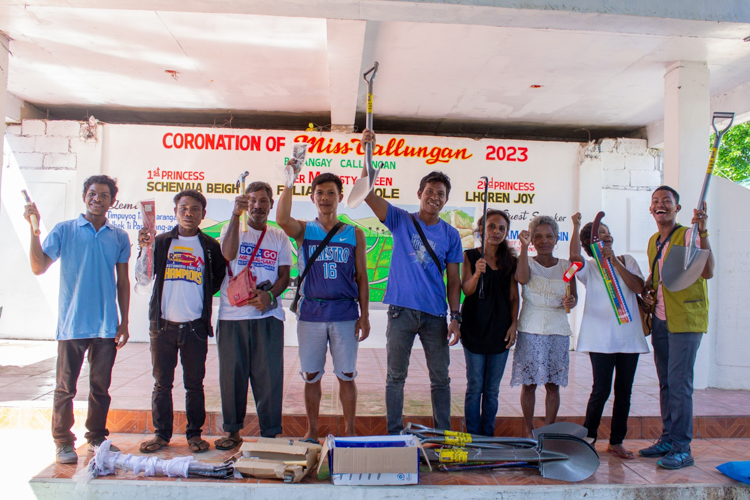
{"x":241,"y":178}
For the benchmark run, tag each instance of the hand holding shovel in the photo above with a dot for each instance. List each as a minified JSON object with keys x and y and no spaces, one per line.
{"x":567,"y":276}
{"x":243,"y":216}
{"x":31,"y":213}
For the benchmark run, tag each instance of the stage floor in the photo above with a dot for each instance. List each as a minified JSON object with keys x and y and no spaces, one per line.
{"x":613,"y":471}
{"x":27,"y":379}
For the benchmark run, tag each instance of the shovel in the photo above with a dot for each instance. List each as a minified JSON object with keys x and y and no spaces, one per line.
{"x":684,"y":265}
{"x":364,"y":185}
{"x":461,"y":438}
{"x":558,"y":456}
{"x":484,"y":233}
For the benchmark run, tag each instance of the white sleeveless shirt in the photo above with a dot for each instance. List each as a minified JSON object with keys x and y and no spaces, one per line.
{"x":542,"y":312}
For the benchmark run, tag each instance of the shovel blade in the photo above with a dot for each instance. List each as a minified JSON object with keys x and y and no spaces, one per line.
{"x":675,"y":275}
{"x":362,"y":188}
{"x":570,"y":428}
{"x":582,"y":461}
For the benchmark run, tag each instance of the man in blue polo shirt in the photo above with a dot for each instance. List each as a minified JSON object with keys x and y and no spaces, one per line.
{"x":90,"y":250}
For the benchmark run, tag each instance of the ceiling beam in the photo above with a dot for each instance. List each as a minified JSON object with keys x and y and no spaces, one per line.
{"x":728,"y":19}
{"x":346,"y":40}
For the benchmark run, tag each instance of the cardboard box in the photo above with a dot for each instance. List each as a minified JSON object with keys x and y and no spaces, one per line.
{"x":372,"y":460}
{"x":285,"y":459}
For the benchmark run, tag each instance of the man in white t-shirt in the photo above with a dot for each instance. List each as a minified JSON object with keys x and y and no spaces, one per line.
{"x":251,"y":338}
{"x":188,"y":270}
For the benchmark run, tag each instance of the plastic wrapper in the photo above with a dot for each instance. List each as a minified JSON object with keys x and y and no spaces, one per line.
{"x":144,"y":265}
{"x":289,"y":173}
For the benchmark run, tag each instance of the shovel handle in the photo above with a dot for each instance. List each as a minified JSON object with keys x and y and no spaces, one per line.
{"x":719,"y":115}
{"x":243,"y":216}
{"x":34,"y":220}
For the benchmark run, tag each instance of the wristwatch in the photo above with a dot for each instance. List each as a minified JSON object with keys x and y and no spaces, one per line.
{"x":457,"y":316}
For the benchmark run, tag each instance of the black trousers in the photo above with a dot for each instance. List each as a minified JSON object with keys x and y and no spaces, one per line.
{"x":251,"y":350}
{"x":603,"y":365}
{"x":190,"y":340}
{"x":70,"y":355}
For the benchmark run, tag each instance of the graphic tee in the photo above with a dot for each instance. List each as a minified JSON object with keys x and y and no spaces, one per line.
{"x":414,"y":280}
{"x":275,"y":250}
{"x":329,"y":290}
{"x":182,"y":296}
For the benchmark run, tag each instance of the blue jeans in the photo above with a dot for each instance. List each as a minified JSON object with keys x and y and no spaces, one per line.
{"x":674,"y":356}
{"x":483,"y":375}
{"x":403,"y":325}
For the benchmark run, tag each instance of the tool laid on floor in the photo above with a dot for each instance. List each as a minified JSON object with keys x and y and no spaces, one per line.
{"x":557,"y":450}
{"x":557,"y":456}
{"x":607,"y":270}
{"x":364,"y":185}
{"x":683,"y":265}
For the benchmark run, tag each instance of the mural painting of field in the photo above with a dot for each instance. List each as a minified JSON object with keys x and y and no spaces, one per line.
{"x":379,"y":245}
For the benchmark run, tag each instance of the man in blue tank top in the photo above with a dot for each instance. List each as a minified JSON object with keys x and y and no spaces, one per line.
{"x":416,"y":294}
{"x":328,"y":312}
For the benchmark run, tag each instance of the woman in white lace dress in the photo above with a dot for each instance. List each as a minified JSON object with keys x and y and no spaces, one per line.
{"x":541,"y":355}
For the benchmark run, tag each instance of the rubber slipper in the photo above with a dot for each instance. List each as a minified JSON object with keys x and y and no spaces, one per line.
{"x":227,"y":443}
{"x":621,"y":453}
{"x":309,"y":440}
{"x":146,"y":446}
{"x":196,"y":445}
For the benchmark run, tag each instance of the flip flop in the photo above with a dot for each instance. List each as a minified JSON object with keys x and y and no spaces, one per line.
{"x":196,"y":445}
{"x":227,"y":443}
{"x":309,"y":440}
{"x":621,"y":453}
{"x":156,"y":441}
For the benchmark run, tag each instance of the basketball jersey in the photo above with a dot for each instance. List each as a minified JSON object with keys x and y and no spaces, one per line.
{"x":329,"y":291}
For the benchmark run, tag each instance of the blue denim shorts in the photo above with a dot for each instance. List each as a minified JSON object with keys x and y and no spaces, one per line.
{"x":314,"y":338}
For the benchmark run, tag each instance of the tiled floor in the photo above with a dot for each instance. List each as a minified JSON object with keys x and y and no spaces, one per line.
{"x":26,"y":391}
{"x":708,"y":454}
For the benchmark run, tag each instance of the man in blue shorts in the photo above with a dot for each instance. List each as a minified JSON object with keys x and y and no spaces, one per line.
{"x":91,"y":252}
{"x":328,"y":312}
{"x":416,"y":294}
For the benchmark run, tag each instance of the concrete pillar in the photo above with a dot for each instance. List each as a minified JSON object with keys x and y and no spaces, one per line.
{"x":686,"y":149}
{"x":4,"y":44}
{"x":686,"y":124}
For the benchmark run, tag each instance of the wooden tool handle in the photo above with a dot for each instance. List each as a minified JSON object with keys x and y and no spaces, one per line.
{"x":567,"y":292}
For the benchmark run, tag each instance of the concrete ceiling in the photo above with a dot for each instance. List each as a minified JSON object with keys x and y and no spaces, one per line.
{"x":445,"y":67}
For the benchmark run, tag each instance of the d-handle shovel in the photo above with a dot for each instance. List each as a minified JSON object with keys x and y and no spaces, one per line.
{"x":684,"y":265}
{"x":364,"y":185}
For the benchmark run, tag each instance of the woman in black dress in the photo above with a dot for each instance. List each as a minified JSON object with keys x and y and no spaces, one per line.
{"x":488,"y":329}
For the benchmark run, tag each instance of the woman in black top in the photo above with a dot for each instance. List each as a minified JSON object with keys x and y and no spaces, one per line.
{"x":488,"y":329}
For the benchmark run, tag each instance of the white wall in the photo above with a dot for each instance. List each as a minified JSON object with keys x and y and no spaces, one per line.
{"x":728,"y":342}
{"x":50,"y":161}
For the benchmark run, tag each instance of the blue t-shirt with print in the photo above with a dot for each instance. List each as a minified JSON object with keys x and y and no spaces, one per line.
{"x":88,"y":287}
{"x":414,"y":281}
